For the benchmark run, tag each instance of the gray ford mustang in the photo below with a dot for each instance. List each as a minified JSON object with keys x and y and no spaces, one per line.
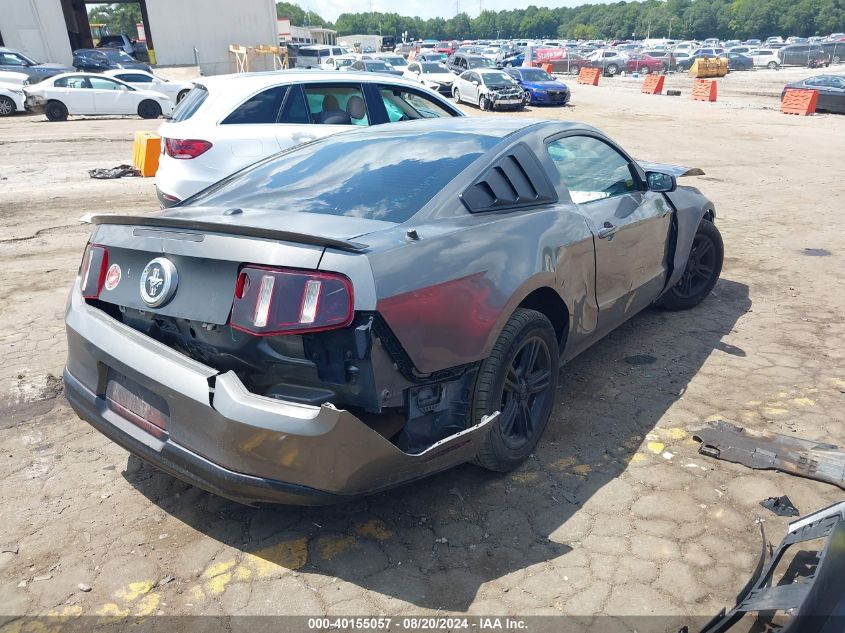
{"x":375,"y":306}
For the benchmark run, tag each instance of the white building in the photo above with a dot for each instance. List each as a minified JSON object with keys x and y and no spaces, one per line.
{"x":291,"y":34}
{"x":49,"y":30}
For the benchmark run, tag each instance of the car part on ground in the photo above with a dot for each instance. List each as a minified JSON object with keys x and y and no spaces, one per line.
{"x":767,"y":450}
{"x":110,"y":173}
{"x":781,"y":506}
{"x":809,"y":596}
{"x":345,"y":303}
{"x":230,"y":121}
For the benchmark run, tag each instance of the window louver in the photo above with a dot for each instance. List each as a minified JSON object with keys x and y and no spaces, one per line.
{"x":516,"y":180}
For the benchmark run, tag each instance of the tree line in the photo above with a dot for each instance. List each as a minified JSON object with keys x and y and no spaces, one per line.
{"x":676,"y":19}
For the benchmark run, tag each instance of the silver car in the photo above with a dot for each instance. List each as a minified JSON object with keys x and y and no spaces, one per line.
{"x":375,"y":306}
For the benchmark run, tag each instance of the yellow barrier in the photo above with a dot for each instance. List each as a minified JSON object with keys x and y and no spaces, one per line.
{"x":709,"y":67}
{"x":145,"y":153}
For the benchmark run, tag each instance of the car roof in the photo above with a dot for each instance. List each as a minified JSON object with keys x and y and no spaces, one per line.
{"x":255,"y":81}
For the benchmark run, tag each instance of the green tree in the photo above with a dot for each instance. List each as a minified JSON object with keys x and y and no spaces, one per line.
{"x":118,"y":18}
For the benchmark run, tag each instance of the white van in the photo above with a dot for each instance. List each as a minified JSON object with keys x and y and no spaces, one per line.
{"x":314,"y":56}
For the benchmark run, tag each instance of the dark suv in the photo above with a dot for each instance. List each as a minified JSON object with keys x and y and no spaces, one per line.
{"x":810,"y":55}
{"x":835,"y":50}
{"x":97,"y":60}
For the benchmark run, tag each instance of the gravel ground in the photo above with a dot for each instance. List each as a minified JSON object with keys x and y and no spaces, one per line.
{"x":614,"y":514}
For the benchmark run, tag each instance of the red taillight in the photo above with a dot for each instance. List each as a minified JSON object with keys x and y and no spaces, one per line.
{"x":92,"y":273}
{"x":185,"y":148}
{"x":272,"y":301}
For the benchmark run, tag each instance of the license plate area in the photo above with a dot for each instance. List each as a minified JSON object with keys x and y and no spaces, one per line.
{"x":137,"y":404}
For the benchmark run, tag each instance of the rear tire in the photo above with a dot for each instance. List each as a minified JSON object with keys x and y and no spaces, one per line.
{"x":772,"y":65}
{"x":149,"y":109}
{"x":645,"y":70}
{"x":574,"y":70}
{"x":56,"y":111}
{"x":7,"y":106}
{"x":611,"y":70}
{"x":519,"y":380}
{"x":702,"y":270}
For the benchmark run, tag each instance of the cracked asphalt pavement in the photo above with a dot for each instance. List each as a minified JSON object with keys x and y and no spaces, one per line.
{"x":615,"y":513}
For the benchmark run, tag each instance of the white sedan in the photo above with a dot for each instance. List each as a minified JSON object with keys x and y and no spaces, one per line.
{"x":93,"y":94}
{"x":489,"y":89}
{"x":142,"y":80}
{"x":433,"y":75}
{"x":11,"y":99}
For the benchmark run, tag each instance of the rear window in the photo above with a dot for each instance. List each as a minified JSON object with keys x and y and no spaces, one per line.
{"x":190,"y":104}
{"x":376,"y":176}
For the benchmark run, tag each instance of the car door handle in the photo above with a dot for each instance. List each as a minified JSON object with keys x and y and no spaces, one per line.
{"x":607,"y":230}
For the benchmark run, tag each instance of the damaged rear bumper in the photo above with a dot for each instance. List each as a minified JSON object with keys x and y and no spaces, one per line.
{"x":227,"y":440}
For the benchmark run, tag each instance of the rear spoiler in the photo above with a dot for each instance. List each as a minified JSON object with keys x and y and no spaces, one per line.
{"x":673,"y":170}
{"x":229,"y":229}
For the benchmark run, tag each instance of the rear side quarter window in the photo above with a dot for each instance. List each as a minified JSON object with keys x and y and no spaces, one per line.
{"x":190,"y":104}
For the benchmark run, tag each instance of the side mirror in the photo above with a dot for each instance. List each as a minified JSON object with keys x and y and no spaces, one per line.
{"x":475,"y":83}
{"x":661,"y":182}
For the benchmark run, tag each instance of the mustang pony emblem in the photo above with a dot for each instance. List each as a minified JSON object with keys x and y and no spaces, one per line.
{"x":158,"y":282}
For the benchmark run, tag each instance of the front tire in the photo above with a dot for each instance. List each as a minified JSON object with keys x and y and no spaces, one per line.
{"x":702,"y":270}
{"x":519,"y":380}
{"x":645,"y":70}
{"x":457,"y":95}
{"x":7,"y":106}
{"x":148,"y":109}
{"x":182,"y":94}
{"x":56,"y":111}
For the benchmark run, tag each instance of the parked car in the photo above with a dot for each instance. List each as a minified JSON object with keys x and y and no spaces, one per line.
{"x":313,"y":56}
{"x":123,"y":42}
{"x":459,"y":62}
{"x":12,"y":97}
{"x":397,"y":61}
{"x":18,"y":79}
{"x":765,"y":57}
{"x":667,"y":58}
{"x":405,"y":48}
{"x":809,"y":55}
{"x":539,"y":87}
{"x":15,"y":61}
{"x":175,"y":90}
{"x":307,"y":332}
{"x":340,"y":62}
{"x":489,"y":89}
{"x":643,"y":63}
{"x":432,"y":57}
{"x":737,"y":61}
{"x":433,"y":75}
{"x":709,"y":52}
{"x":571,"y":63}
{"x":742,"y":49}
{"x":229,"y":121}
{"x":835,"y":51}
{"x":93,"y":94}
{"x":610,"y":61}
{"x":95,"y":60}
{"x":374,"y":66}
{"x":831,"y":89}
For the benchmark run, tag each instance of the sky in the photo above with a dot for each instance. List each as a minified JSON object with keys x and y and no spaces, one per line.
{"x":330,"y":9}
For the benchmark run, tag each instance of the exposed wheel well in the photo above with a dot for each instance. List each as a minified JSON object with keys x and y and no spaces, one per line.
{"x":709,"y":215}
{"x":549,"y":303}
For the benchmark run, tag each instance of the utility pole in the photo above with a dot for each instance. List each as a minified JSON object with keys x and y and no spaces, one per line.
{"x":457,"y":7}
